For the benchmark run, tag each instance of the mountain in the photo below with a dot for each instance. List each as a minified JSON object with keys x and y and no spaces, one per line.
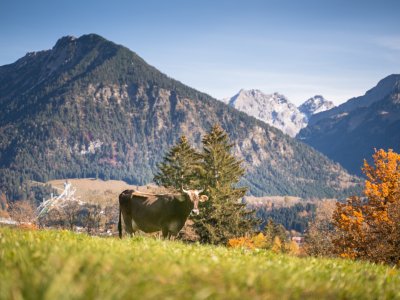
{"x":315,"y":105}
{"x":381,"y":90}
{"x":350,"y":132}
{"x":92,"y":108}
{"x":273,"y":109}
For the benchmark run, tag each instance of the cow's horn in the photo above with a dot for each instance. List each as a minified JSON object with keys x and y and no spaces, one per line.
{"x":200,"y":191}
{"x":185,"y":191}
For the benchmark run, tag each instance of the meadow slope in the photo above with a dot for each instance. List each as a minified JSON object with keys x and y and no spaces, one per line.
{"x":64,"y":265}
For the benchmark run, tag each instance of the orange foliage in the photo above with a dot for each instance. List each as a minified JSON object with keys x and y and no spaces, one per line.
{"x":366,"y":227}
{"x":241,"y":242}
{"x":28,"y":226}
{"x":260,"y":241}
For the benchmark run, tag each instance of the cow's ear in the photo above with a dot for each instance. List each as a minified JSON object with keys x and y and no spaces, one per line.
{"x":203,"y":198}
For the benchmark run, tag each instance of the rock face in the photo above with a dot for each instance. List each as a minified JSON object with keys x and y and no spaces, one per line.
{"x":350,"y":132}
{"x":315,"y":105}
{"x":91,"y":108}
{"x":273,"y":109}
{"x":276,"y":110}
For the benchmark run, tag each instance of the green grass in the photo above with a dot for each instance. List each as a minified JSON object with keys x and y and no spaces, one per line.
{"x":65,"y":265}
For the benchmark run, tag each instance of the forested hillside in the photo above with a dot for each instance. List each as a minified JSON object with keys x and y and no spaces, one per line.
{"x":91,"y":108}
{"x":350,"y":132}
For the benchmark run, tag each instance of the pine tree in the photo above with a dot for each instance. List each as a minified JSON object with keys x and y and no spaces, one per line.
{"x":223,"y":216}
{"x":180,"y":167}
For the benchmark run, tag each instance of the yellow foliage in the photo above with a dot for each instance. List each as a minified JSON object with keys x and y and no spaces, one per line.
{"x":365,"y":225}
{"x":241,"y":242}
{"x":260,"y":241}
{"x":277,"y":245}
{"x":28,"y":226}
{"x":293,"y":248}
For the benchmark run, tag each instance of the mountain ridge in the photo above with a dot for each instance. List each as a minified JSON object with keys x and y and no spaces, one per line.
{"x":91,"y":108}
{"x":349,"y":133}
{"x":382,"y":89}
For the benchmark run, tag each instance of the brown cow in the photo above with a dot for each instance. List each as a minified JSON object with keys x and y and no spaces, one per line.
{"x":154,"y":212}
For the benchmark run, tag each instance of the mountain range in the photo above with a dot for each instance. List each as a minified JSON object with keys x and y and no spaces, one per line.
{"x":276,"y":110}
{"x":350,"y":132}
{"x":92,"y":108}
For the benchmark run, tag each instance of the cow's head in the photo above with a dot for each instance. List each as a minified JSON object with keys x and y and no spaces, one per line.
{"x":194,"y":196}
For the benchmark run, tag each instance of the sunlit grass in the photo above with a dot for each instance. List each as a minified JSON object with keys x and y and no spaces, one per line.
{"x":65,"y":265}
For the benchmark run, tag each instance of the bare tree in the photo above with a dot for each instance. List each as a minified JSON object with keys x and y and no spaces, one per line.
{"x":111,"y":217}
{"x":92,"y":217}
{"x":22,"y":211}
{"x":318,"y":239}
{"x":3,"y":206}
{"x":70,"y":214}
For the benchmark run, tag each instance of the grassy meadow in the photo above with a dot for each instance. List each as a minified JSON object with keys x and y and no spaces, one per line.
{"x":64,"y":265}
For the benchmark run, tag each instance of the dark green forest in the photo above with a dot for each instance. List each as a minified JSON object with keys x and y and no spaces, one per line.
{"x":295,"y":217}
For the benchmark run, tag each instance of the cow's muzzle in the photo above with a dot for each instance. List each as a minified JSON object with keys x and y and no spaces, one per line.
{"x":195,"y":211}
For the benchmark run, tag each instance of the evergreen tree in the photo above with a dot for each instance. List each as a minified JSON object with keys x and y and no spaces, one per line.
{"x":273,"y":230}
{"x":180,"y":168}
{"x":223,"y":216}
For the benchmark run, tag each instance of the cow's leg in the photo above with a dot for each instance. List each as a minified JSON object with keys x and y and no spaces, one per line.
{"x":165,"y":233}
{"x":173,"y":228}
{"x":128,"y":223}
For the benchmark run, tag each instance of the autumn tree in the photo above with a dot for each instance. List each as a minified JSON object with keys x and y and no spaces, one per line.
{"x":223,"y":216}
{"x":368,"y":227}
{"x":320,"y":232}
{"x":22,"y":211}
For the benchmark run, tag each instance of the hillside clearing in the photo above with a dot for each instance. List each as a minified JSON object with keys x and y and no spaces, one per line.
{"x":103,"y":192}
{"x":66,"y":265}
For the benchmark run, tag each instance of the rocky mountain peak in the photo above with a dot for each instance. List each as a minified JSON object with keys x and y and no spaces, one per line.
{"x":274,"y":109}
{"x":315,"y":105}
{"x":64,"y":41}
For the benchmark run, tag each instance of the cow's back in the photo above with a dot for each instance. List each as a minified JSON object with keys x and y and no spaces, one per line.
{"x":149,"y":212}
{"x":152,"y":213}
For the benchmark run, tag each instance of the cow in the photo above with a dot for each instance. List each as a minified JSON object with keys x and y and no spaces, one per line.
{"x":155,"y":212}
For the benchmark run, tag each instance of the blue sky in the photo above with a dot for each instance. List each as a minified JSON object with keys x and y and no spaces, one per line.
{"x":299,"y":48}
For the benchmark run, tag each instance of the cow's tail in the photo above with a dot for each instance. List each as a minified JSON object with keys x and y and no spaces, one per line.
{"x":119,"y":223}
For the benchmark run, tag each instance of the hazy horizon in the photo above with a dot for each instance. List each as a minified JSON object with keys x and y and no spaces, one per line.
{"x":299,"y":49}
